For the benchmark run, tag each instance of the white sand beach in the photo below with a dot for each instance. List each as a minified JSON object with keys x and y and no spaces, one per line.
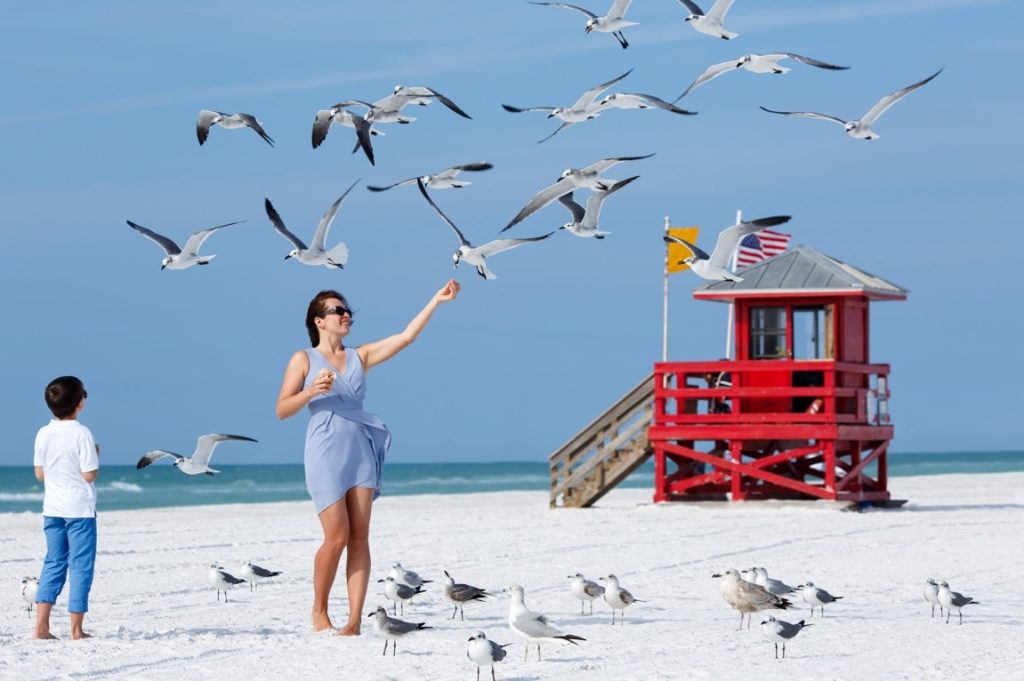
{"x":155,"y":617}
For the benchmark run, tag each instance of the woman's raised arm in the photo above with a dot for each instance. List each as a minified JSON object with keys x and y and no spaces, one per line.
{"x":380,"y":351}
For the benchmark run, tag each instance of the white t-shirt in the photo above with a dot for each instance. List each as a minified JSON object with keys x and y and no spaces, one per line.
{"x":65,"y":450}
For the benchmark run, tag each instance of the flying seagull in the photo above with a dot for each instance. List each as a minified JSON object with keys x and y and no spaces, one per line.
{"x":617,"y":598}
{"x":584,"y":220}
{"x":442,"y":180}
{"x":861,"y":128}
{"x":181,"y":258}
{"x":314,"y":254}
{"x":254,"y":573}
{"x":585,"y":590}
{"x":459,"y":594}
{"x":637,"y":100}
{"x":779,"y":631}
{"x":747,"y":597}
{"x":951,"y":599}
{"x":477,"y":255}
{"x":584,"y":108}
{"x":391,"y":629}
{"x":716,"y":265}
{"x":570,"y":180}
{"x":339,"y":113}
{"x":208,"y":118}
{"x":532,"y":626}
{"x":403,"y":96}
{"x":221,"y":580}
{"x":756,"y":63}
{"x":199,"y":462}
{"x":710,"y":23}
{"x":613,"y":22}
{"x":483,"y":652}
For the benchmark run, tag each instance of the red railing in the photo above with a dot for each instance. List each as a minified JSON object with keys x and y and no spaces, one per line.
{"x":763,"y":391}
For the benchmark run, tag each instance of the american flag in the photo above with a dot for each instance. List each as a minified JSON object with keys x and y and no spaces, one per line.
{"x":760,"y":246}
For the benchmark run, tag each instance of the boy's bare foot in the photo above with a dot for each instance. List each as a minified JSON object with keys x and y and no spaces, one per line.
{"x":43,"y":636}
{"x":350,"y":630}
{"x":321,"y":622}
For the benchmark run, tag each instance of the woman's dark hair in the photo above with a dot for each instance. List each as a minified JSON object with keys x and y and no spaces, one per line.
{"x":316,"y":306}
{"x":63,"y":396}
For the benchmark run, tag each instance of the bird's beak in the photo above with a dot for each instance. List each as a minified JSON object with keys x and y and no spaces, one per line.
{"x":287,"y":256}
{"x":380,"y":581}
{"x":471,"y":638}
{"x":588,"y":29}
{"x":716,"y":575}
{"x":163,"y":267}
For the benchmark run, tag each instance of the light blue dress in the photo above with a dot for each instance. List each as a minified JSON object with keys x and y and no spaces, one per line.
{"x":345,"y":445}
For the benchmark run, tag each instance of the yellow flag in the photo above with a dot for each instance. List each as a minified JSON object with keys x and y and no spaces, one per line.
{"x":678,"y":252}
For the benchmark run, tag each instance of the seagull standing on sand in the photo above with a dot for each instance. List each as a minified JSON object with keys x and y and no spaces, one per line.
{"x":477,"y":255}
{"x":613,"y":22}
{"x":571,"y":179}
{"x":775,"y":586}
{"x":391,"y":629}
{"x":483,"y":652}
{"x":756,"y":63}
{"x":816,"y":597}
{"x":442,"y":180}
{"x":400,"y":574}
{"x":746,"y":597}
{"x":181,"y":258}
{"x":779,"y":631}
{"x":861,"y":128}
{"x":459,"y":594}
{"x":221,"y":580}
{"x":952,"y":599}
{"x":931,"y":594}
{"x":254,"y":573}
{"x":585,"y":590}
{"x":29,"y":588}
{"x":208,"y":118}
{"x":532,"y":626}
{"x":618,"y":598}
{"x":716,"y":266}
{"x":199,"y":462}
{"x":585,"y":221}
{"x":710,"y":23}
{"x":582,"y":110}
{"x":315,"y":254}
{"x":399,"y":593}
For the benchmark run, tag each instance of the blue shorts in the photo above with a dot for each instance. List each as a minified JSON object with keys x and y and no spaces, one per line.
{"x":70,"y":543}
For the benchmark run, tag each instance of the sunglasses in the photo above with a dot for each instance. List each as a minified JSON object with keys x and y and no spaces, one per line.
{"x":339,"y":310}
{"x":85,"y":394}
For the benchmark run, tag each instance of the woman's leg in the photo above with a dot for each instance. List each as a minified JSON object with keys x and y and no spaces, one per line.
{"x":359,"y":501}
{"x":335,"y":522}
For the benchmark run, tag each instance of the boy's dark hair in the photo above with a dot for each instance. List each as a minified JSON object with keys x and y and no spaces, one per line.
{"x":316,"y":306}
{"x":63,"y":396}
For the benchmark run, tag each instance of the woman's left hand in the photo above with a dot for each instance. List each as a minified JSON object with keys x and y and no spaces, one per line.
{"x":450,"y":290}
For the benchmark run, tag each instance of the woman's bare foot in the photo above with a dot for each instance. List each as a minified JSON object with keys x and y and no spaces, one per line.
{"x":321,"y":622}
{"x":79,"y":635}
{"x":43,"y":636}
{"x":350,"y":630}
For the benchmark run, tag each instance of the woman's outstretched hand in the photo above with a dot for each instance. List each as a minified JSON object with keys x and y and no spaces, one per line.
{"x":448,"y":292}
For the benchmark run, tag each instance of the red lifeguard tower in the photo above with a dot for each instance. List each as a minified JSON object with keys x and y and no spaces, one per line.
{"x":801,"y":412}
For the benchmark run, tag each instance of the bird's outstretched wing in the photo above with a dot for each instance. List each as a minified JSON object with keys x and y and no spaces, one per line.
{"x":604,"y":164}
{"x":203,"y":123}
{"x":321,"y":126}
{"x":578,"y":211}
{"x":807,"y":114}
{"x":692,"y":7}
{"x":559,"y":129}
{"x":516,"y":109}
{"x":596,"y":200}
{"x":163,"y":242}
{"x":420,"y":91}
{"x":195,"y":241}
{"x":458,"y":233}
{"x":730,"y":237}
{"x":251,"y":121}
{"x":697,"y":253}
{"x":565,"y":5}
{"x":710,"y":73}
{"x":587,"y":98}
{"x":659,"y":103}
{"x":205,"y":445}
{"x":719,"y":9}
{"x":320,"y":237}
{"x":279,"y":227}
{"x":810,"y":62}
{"x":155,"y":455}
{"x":500,"y":245}
{"x":887,"y":101}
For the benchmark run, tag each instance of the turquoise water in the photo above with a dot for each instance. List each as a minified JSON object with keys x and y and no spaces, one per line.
{"x":124,"y":487}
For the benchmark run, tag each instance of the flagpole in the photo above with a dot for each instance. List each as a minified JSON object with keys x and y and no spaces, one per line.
{"x":664,"y":305}
{"x":729,"y":322}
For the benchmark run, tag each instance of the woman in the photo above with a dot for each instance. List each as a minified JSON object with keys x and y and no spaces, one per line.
{"x":345,"y":445}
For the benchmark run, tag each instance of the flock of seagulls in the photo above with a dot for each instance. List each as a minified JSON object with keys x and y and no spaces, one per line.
{"x":222,"y":581}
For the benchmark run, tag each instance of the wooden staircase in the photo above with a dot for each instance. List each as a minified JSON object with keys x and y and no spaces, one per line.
{"x":607,"y":450}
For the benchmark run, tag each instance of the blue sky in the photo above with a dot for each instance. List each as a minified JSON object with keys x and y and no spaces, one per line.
{"x":98,"y":128}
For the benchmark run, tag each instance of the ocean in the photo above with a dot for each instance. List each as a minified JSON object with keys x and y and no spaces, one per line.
{"x":124,"y":487}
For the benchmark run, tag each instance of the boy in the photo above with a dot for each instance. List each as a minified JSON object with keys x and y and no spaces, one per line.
{"x":66,"y":462}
